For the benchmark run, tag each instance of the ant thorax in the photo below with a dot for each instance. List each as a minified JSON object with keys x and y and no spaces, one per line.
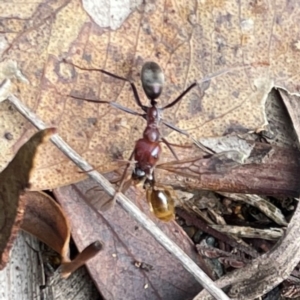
{"x":153,"y":117}
{"x":146,"y":155}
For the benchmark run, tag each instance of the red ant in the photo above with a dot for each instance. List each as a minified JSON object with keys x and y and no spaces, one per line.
{"x":147,"y":150}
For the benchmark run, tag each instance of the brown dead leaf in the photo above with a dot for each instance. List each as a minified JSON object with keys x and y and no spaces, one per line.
{"x":13,"y":180}
{"x":275,"y":169}
{"x":45,"y":219}
{"x":189,"y":40}
{"x":291,"y":103}
{"x":86,"y":254}
{"x":115,"y":269}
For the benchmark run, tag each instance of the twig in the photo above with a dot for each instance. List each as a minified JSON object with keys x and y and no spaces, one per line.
{"x":269,"y":209}
{"x":200,"y":224}
{"x":126,"y":204}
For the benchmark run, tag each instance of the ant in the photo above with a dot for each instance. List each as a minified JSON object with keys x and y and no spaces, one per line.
{"x":147,"y":150}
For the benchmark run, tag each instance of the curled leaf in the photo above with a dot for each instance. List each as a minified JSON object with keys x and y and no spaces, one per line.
{"x":45,"y":219}
{"x":89,"y":252}
{"x":13,"y":180}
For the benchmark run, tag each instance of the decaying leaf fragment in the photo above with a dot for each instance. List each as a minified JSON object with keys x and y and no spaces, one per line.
{"x":39,"y":214}
{"x":114,"y":271}
{"x":86,"y":254}
{"x":275,"y":168}
{"x":14,"y":179}
{"x":45,"y":219}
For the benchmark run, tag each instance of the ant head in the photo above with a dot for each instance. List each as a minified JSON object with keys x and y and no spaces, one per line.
{"x":152,"y":79}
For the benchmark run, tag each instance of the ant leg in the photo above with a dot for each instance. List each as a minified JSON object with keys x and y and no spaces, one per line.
{"x":134,"y":90}
{"x":197,"y":143}
{"x":180,"y":146}
{"x":205,"y":79}
{"x":88,"y":100}
{"x":202,"y":147}
{"x":171,"y":145}
{"x":175,"y":128}
{"x":111,"y":103}
{"x":126,"y":109}
{"x":170,"y":148}
{"x":180,"y":96}
{"x":111,"y":202}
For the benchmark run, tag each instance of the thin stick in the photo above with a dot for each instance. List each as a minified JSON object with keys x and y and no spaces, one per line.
{"x":126,"y":204}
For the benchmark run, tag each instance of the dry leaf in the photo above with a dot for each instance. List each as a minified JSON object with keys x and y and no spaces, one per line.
{"x":114,"y":270}
{"x":14,"y":179}
{"x":292,"y":106}
{"x":45,"y":219}
{"x":188,"y":40}
{"x":86,"y":254}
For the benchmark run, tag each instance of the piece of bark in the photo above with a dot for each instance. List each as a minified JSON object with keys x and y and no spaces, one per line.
{"x":270,"y":170}
{"x":276,"y":265}
{"x":22,"y":277}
